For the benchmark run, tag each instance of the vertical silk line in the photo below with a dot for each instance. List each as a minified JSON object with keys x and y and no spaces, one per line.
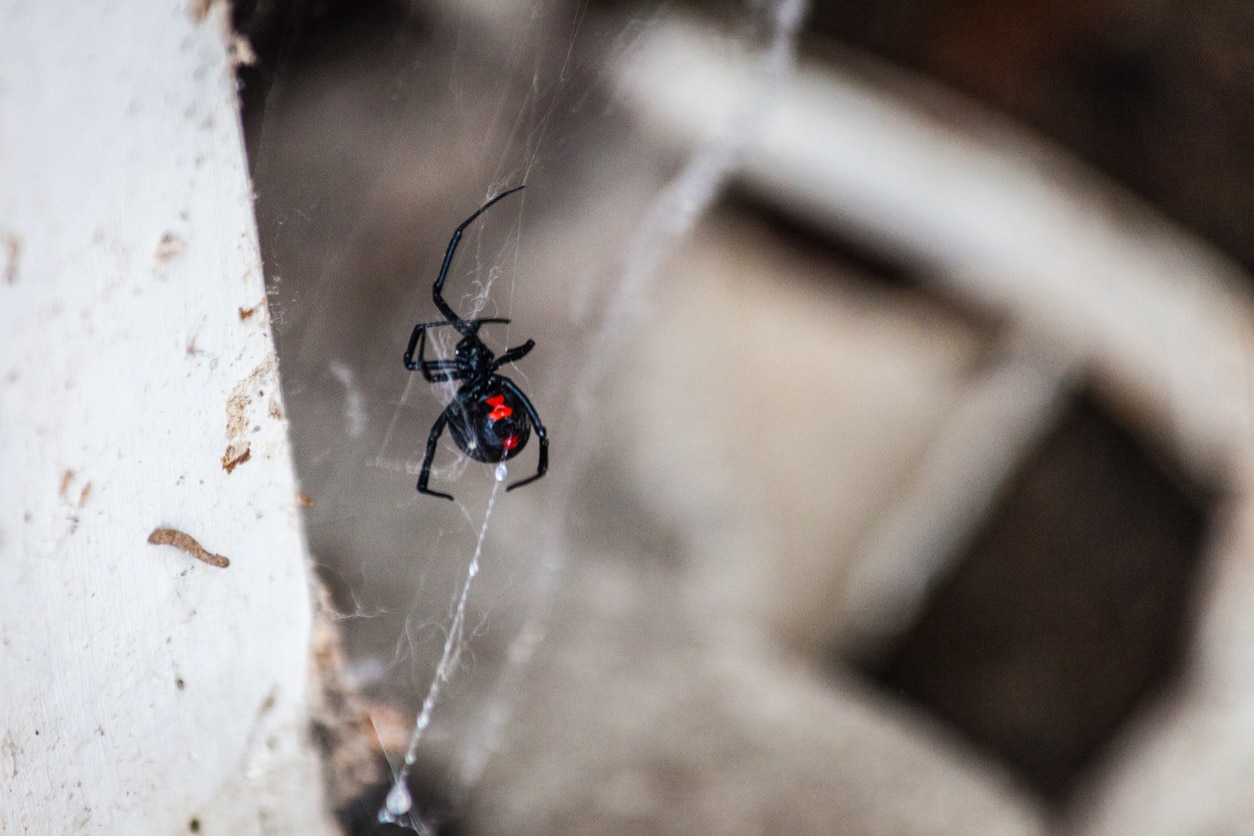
{"x":398,"y":808}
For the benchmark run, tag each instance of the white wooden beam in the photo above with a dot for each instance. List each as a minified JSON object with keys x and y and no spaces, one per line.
{"x":142,"y":690}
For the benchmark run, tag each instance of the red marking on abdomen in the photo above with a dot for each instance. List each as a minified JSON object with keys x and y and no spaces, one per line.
{"x":499,"y":409}
{"x":510,"y":441}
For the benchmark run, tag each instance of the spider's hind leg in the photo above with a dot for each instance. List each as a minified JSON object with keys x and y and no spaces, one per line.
{"x":432,"y":441}
{"x":542,"y":465}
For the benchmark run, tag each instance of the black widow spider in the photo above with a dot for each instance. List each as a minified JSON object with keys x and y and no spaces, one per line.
{"x":490,"y":418}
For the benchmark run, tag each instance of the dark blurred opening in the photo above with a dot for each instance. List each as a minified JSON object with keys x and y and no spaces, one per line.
{"x":891,"y":271}
{"x":295,"y":38}
{"x":795,"y":232}
{"x":1159,"y":95}
{"x":1067,"y":612}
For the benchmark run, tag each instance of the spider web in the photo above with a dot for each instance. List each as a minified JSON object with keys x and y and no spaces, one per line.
{"x":373,"y":143}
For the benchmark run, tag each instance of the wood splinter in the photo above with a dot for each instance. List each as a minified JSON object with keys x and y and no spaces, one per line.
{"x":186,"y":542}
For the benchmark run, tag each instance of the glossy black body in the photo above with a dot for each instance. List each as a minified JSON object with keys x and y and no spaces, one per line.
{"x":490,"y":419}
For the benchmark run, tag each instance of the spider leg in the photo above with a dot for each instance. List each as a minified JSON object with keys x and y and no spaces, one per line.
{"x":432,"y":441}
{"x":443,"y":377}
{"x":478,"y":321}
{"x":514,"y":354}
{"x":446,"y":370}
{"x":463,"y":326}
{"x":542,"y":466}
{"x":419,"y":335}
{"x":418,"y":340}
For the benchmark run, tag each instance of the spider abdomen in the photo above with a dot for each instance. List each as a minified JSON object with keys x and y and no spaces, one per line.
{"x":490,"y":424}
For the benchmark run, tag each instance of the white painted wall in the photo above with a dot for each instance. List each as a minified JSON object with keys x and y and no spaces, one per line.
{"x":140,"y":689}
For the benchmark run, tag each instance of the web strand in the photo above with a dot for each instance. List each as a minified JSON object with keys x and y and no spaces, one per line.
{"x":398,"y":808}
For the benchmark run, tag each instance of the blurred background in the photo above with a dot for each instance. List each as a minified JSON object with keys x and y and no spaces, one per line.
{"x":895,"y":365}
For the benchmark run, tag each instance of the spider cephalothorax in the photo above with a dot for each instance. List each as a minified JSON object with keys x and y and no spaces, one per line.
{"x":490,"y":419}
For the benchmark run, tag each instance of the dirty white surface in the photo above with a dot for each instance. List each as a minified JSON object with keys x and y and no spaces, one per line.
{"x":143,"y":691}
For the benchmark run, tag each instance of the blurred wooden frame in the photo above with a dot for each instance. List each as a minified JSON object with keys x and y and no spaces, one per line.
{"x":1088,"y":280}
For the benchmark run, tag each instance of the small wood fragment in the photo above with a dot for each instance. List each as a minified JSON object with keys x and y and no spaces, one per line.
{"x":13,"y":248}
{"x":169,"y":246}
{"x":235,"y":455}
{"x":186,"y":542}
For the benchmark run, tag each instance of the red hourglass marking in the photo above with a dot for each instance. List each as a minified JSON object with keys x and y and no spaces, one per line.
{"x":499,"y":409}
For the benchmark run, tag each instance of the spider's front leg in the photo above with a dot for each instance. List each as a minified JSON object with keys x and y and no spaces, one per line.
{"x":513,"y":355}
{"x":444,"y":370}
{"x":432,"y":441}
{"x":463,"y":326}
